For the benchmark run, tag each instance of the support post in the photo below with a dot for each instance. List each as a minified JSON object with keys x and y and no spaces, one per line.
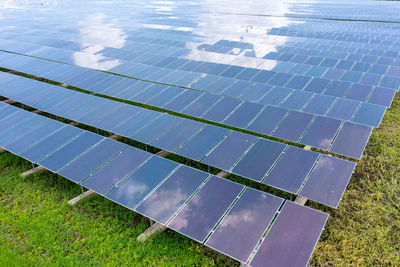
{"x":115,"y":137}
{"x":32,"y":171}
{"x":9,"y":101}
{"x":84,"y":195}
{"x":301,"y":200}
{"x":2,"y":150}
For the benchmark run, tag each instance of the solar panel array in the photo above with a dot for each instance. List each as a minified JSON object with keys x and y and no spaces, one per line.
{"x":240,"y":87}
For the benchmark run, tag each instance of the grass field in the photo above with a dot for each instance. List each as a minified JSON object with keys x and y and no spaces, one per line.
{"x":38,"y":228}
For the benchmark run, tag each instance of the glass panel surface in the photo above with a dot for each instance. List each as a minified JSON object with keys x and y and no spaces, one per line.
{"x":319,"y":104}
{"x":370,"y":114}
{"x":268,"y":119}
{"x":172,"y":194}
{"x":178,"y":135}
{"x":351,"y":140}
{"x":182,"y":100}
{"x":243,"y":226}
{"x":292,"y":169}
{"x":116,"y":170}
{"x":201,"y":105}
{"x":198,"y":146}
{"x":296,"y":100}
{"x":343,"y":109}
{"x":229,"y":150}
{"x":204,"y":210}
{"x":91,"y":160}
{"x":259,"y":159}
{"x":321,"y":132}
{"x":70,"y":151}
{"x":51,"y":143}
{"x":136,"y":187}
{"x":136,"y":122}
{"x":222,"y":109}
{"x":328,"y":180}
{"x":155,"y":128}
{"x":292,"y":237}
{"x":33,"y":137}
{"x":243,"y":115}
{"x":293,"y":126}
{"x":382,"y":96}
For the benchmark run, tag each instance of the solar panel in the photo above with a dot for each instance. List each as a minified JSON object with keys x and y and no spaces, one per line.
{"x":292,"y":169}
{"x":321,"y":132}
{"x":166,"y":200}
{"x":141,"y":182}
{"x":328,"y":180}
{"x":116,"y":170}
{"x":292,"y":237}
{"x":293,"y":126}
{"x":91,"y":160}
{"x":205,"y":209}
{"x":241,"y":229}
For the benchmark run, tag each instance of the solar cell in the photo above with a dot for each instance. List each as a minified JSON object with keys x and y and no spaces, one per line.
{"x":141,"y":182}
{"x":242,"y":116}
{"x":51,"y":143}
{"x":343,"y":109}
{"x":259,"y":159}
{"x":292,"y":169}
{"x":201,"y":105}
{"x":116,"y":170}
{"x":92,"y":159}
{"x":206,"y":139}
{"x":205,"y":209}
{"x":229,"y":150}
{"x":321,"y":132}
{"x":370,"y":114}
{"x":240,"y":230}
{"x":221,"y":109}
{"x":292,"y":237}
{"x":351,"y":140}
{"x":328,"y":180}
{"x":172,"y":194}
{"x":382,"y":96}
{"x":293,"y":126}
{"x":267,"y":120}
{"x":67,"y":153}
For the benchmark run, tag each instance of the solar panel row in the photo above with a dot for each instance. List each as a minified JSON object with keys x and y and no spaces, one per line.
{"x":184,"y":198}
{"x":316,"y":131}
{"x":308,"y":100}
{"x":251,"y":157}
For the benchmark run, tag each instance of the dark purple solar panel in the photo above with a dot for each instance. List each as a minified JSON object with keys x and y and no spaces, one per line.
{"x":292,"y":237}
{"x":229,"y":150}
{"x":351,"y":140}
{"x":94,"y":158}
{"x":222,"y":109}
{"x":321,"y":132}
{"x":267,"y":120}
{"x":243,"y":226}
{"x":243,"y":115}
{"x":328,"y":180}
{"x":259,"y":159}
{"x":205,"y":209}
{"x":293,"y":126}
{"x":140,"y":183}
{"x":172,"y":194}
{"x":292,"y":169}
{"x":116,"y":170}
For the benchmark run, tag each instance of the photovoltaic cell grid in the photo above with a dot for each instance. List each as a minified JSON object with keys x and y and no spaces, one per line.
{"x":246,"y":155}
{"x":318,"y":82}
{"x":286,"y":124}
{"x":158,"y":188}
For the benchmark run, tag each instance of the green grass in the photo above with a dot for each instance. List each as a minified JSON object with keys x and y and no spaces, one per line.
{"x":38,"y":228}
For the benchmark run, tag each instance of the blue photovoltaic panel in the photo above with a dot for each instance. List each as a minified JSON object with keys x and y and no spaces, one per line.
{"x":351,"y":140}
{"x":382,"y":96}
{"x":328,"y":180}
{"x":67,"y":153}
{"x":267,"y":120}
{"x":116,"y":170}
{"x":51,"y":143}
{"x":229,"y":150}
{"x":370,"y":114}
{"x":293,"y":126}
{"x":221,"y":109}
{"x":321,"y":132}
{"x":205,"y":209}
{"x":343,"y":109}
{"x":292,"y":237}
{"x":292,"y":169}
{"x":259,"y":159}
{"x":206,"y":139}
{"x":94,"y":158}
{"x":242,"y":116}
{"x":172,"y":194}
{"x":241,"y":229}
{"x":135,"y":188}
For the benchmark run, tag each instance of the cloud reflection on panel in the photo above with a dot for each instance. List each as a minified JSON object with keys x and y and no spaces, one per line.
{"x":238,"y":39}
{"x":96,"y":32}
